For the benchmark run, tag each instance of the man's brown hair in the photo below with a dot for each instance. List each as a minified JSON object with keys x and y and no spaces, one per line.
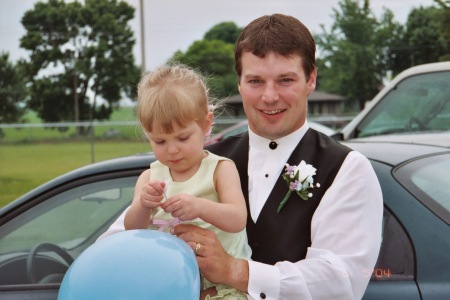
{"x":280,"y":34}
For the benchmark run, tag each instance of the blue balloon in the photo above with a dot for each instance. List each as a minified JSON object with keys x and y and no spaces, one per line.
{"x":134,"y":264}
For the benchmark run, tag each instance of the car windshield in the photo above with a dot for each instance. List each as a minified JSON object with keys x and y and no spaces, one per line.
{"x":420,"y":103}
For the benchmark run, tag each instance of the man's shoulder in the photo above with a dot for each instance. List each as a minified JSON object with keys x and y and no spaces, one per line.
{"x":328,"y":143}
{"x":230,"y":144}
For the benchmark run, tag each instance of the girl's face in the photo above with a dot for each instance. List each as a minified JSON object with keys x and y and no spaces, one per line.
{"x":181,"y":150}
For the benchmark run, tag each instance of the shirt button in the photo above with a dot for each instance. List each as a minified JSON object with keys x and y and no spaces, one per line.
{"x":262,"y":295}
{"x":267,"y":175}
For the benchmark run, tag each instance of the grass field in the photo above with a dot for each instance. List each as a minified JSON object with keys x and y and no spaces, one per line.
{"x":35,"y":134}
{"x":32,"y":156}
{"x":25,"y":166}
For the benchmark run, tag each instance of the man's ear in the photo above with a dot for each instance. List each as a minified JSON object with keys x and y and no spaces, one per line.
{"x":312,"y":81}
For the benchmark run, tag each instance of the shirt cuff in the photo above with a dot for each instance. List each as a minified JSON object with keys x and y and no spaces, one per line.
{"x":263,"y":281}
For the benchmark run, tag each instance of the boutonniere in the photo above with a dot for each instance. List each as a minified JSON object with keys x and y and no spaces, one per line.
{"x":299,"y":179}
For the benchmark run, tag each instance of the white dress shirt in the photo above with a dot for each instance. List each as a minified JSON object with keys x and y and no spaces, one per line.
{"x":265,"y":164}
{"x":345,"y":229}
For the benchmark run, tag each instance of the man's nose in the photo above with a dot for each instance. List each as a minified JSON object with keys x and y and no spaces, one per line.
{"x":270,"y":93}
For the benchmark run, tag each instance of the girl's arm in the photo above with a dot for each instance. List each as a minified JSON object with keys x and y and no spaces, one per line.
{"x":230,"y":214}
{"x":147,"y":195}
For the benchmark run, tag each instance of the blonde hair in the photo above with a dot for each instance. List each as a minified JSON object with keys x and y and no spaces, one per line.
{"x":171,"y":94}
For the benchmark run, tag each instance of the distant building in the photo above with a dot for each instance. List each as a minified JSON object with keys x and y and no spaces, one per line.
{"x":319,"y":103}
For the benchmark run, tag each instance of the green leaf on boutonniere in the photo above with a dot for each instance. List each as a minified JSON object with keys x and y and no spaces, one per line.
{"x":299,"y":179}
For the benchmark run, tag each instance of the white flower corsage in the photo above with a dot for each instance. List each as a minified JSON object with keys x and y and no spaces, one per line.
{"x":299,"y":179}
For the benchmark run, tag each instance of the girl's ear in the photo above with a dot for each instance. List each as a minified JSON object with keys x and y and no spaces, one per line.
{"x":208,"y":123}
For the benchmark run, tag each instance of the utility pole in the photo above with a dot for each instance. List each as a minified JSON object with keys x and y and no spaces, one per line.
{"x":141,"y":8}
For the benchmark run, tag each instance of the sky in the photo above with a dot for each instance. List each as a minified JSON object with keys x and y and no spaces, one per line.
{"x":174,"y":25}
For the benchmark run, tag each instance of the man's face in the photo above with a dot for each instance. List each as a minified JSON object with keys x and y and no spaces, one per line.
{"x":274,"y":93}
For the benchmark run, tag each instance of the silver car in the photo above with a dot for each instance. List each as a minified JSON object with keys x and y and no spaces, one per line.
{"x":417,"y":101}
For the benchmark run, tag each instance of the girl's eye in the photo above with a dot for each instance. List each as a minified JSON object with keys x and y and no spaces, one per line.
{"x":183,"y":138}
{"x":158,"y":142}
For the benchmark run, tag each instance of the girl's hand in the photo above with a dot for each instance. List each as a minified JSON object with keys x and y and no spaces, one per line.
{"x":183,"y":206}
{"x":152,"y":194}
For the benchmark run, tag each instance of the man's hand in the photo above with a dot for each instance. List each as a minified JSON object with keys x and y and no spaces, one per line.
{"x":215,"y":264}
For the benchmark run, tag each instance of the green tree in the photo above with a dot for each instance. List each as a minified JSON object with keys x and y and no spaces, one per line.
{"x":443,"y":17}
{"x":423,"y":36}
{"x":423,"y":40}
{"x":215,"y":59}
{"x":227,"y":32}
{"x":81,"y":55}
{"x":391,"y":36}
{"x":352,"y":56}
{"x":12,"y":91}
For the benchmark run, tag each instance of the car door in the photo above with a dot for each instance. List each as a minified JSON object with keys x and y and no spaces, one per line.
{"x":46,"y":233}
{"x":393,"y":276}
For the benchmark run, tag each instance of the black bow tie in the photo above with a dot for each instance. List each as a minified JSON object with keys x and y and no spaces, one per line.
{"x":273,"y":145}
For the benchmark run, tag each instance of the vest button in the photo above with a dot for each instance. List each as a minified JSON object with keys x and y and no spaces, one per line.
{"x":262,"y":295}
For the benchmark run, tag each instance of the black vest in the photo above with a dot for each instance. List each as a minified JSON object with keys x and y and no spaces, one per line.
{"x":286,"y":235}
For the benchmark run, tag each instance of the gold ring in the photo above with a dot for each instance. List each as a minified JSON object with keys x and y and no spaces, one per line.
{"x":197,"y":248}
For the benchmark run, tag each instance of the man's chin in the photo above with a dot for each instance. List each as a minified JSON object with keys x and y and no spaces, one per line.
{"x":269,"y":131}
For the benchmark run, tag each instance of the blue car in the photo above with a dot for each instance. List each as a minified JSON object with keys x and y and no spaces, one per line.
{"x":42,"y":232}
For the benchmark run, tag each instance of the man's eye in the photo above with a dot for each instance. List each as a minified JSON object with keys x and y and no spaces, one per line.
{"x":286,"y":80}
{"x":254,"y":81}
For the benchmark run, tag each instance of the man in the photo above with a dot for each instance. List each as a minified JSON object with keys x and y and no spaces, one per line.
{"x":316,"y":248}
{"x":312,"y":249}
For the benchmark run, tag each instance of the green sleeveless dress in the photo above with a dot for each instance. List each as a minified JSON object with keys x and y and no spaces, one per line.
{"x":202,"y":185}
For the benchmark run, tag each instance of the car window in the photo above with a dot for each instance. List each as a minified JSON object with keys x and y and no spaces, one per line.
{"x":396,"y":259}
{"x":428,"y":179}
{"x":236,"y":131}
{"x":419,"y":103}
{"x":70,"y":220}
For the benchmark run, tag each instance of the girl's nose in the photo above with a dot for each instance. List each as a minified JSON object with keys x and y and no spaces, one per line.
{"x":172,"y":148}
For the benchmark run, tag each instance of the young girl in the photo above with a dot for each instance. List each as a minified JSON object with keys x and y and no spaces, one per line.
{"x":186,"y":183}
